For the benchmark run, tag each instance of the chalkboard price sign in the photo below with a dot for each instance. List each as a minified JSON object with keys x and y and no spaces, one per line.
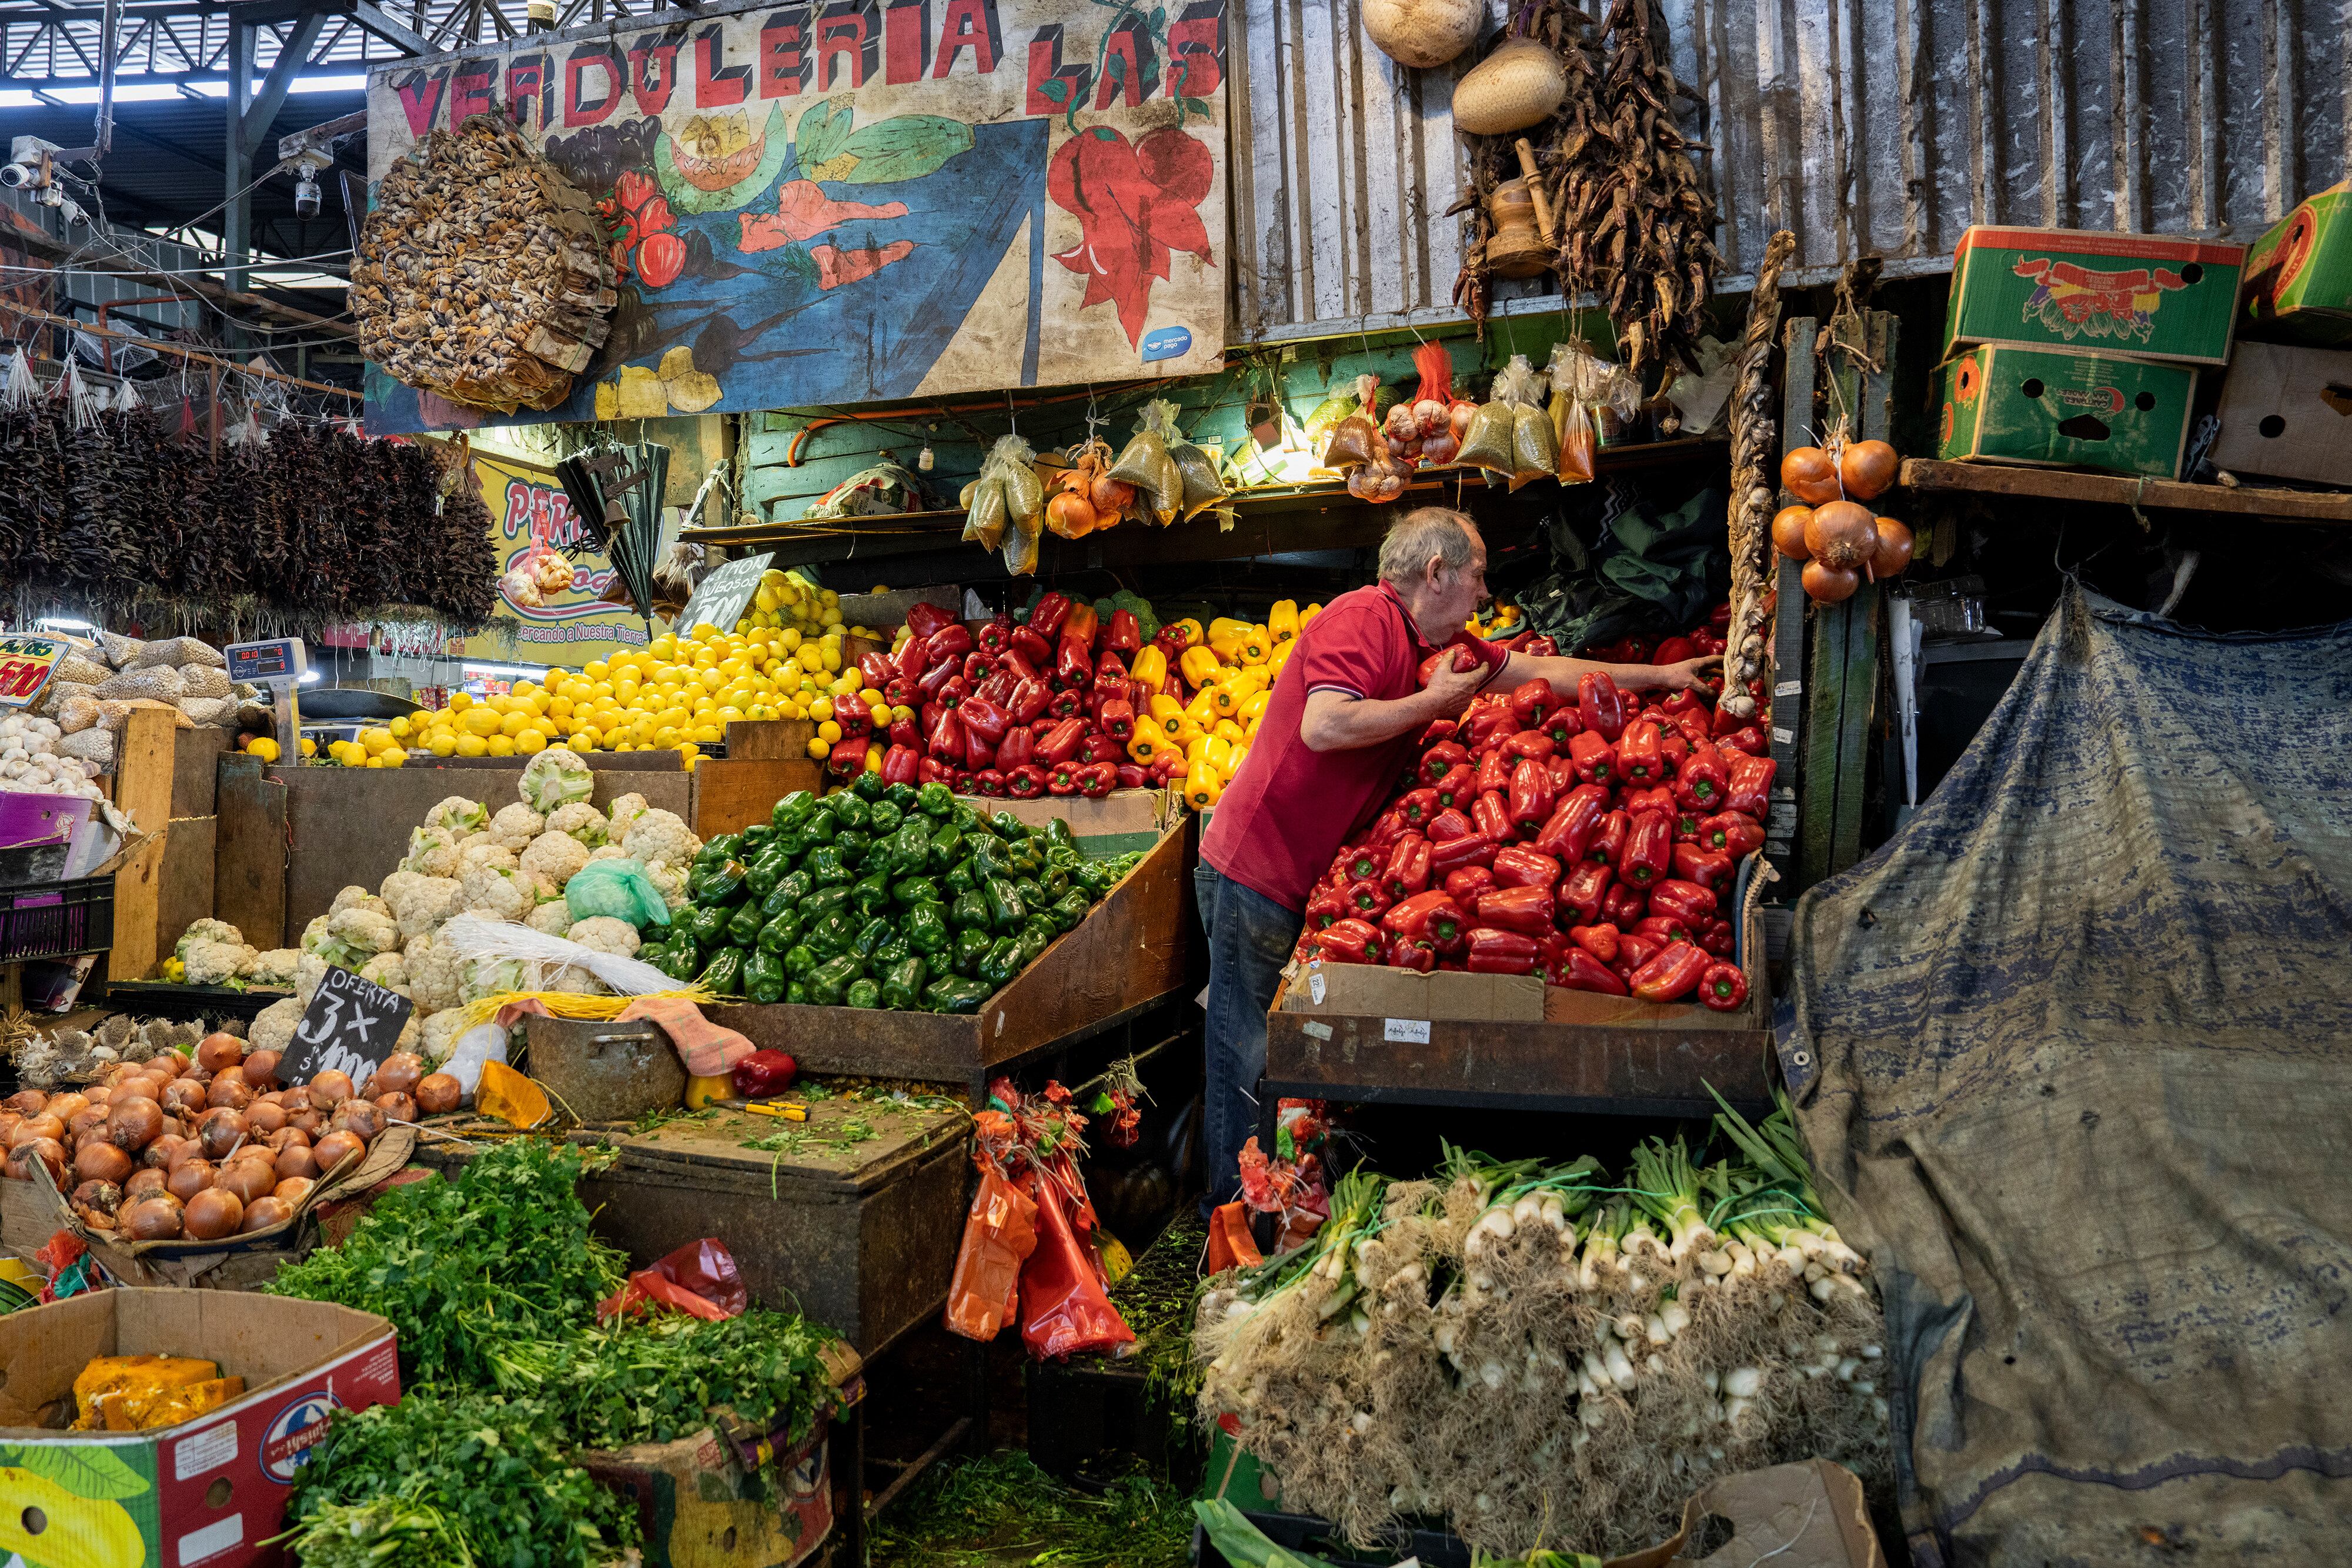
{"x":724,"y":595}
{"x":350,"y":1026}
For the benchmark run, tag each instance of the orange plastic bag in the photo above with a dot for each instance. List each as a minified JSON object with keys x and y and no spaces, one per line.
{"x":1065,"y":1307}
{"x":699,"y":1279}
{"x":1231,"y":1245}
{"x":999,"y":1234}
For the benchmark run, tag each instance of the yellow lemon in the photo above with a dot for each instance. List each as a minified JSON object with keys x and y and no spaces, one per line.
{"x":263,"y":747}
{"x":820,"y":748}
{"x":393,"y":757}
{"x":399,"y":728}
{"x":530,"y":742}
{"x":372,"y":762}
{"x":310,"y":747}
{"x":443,"y":743}
{"x":481,"y":721}
{"x":501,"y":746}
{"x":515,"y":723}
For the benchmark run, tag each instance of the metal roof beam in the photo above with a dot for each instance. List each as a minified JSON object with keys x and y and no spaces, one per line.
{"x":293,"y":49}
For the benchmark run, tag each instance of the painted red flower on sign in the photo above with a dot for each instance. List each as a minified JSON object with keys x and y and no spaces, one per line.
{"x":1135,"y":204}
{"x":639,"y":218}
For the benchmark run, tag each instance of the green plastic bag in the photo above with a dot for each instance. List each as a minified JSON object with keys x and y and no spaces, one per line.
{"x":617,"y":888}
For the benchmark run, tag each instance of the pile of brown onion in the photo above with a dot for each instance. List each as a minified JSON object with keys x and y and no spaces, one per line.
{"x":205,"y":1148}
{"x":1841,"y":543}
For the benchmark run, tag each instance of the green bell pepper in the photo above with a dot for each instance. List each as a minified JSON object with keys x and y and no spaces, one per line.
{"x":763,"y":977}
{"x":800,"y":958}
{"x":1010,"y":828}
{"x":796,"y":994}
{"x":902,"y":983}
{"x":1058,"y":834}
{"x":883,"y":817}
{"x":780,"y":932}
{"x":1056,"y":883}
{"x":680,"y":960}
{"x":828,"y":980}
{"x":820,"y":825}
{"x":959,"y":878}
{"x":827,"y":867}
{"x":969,"y":910}
{"x":1027,"y":862}
{"x":1032,"y":891}
{"x":714,"y":885}
{"x":853,"y":844}
{"x":1005,"y":910}
{"x":870,"y":936}
{"x":866,"y":787}
{"x":927,"y":928}
{"x":990,"y":858}
{"x":903,"y":796}
{"x":871,"y":894}
{"x":966,"y":818}
{"x":894,"y":949}
{"x":793,"y":808}
{"x":705,"y":926}
{"x":935,"y":799}
{"x":1068,"y":909}
{"x":946,"y":848}
{"x":724,"y":973}
{"x":743,"y":926}
{"x":972,"y":944}
{"x":862,"y":993}
{"x":791,"y":890}
{"x":1095,"y":877}
{"x":824,"y":900}
{"x":954,"y":993}
{"x":765,"y":872}
{"x":832,"y":936}
{"x":853,"y":812}
{"x":1001,"y":962}
{"x":909,"y":891}
{"x":725,"y":847}
{"x":756,"y":837}
{"x":910,"y":848}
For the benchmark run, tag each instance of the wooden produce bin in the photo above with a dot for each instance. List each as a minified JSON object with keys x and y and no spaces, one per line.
{"x":766,"y":760}
{"x":1127,"y":954}
{"x":1367,"y":1033}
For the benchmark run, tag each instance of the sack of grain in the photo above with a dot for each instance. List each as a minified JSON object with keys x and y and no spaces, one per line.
{"x":161,"y":682}
{"x":95,"y":743}
{"x":120,"y":650}
{"x":78,"y":712}
{"x":56,"y":694}
{"x":205,"y":681}
{"x":209,"y":710}
{"x":116,"y":712}
{"x":81,"y":669}
{"x":177,"y":651}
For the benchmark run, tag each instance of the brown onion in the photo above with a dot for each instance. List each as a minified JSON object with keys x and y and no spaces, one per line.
{"x":248,"y":1179}
{"x":134,"y":1124}
{"x":1830,"y":584}
{"x":332,"y":1150}
{"x":296,"y":1160}
{"x":262,"y":1118}
{"x":84,"y":1123}
{"x":180,"y":1095}
{"x":154,"y":1220}
{"x":65,"y":1107}
{"x":220,"y":1132}
{"x":261,"y":1068}
{"x":43,"y":1125}
{"x":399,"y":1074}
{"x":1808,"y":474}
{"x":174,"y":1059}
{"x":189,"y":1149}
{"x":1842,"y":535}
{"x":309,"y":1122}
{"x":9,"y":1121}
{"x":103,"y":1196}
{"x":28,"y":1102}
{"x":362,"y":1117}
{"x":292,"y":1190}
{"x":396,"y":1107}
{"x":295,"y":1099}
{"x":288,"y":1138}
{"x":264,"y":1212}
{"x":144,"y":1182}
{"x":438,"y":1093}
{"x":99,"y":1160}
{"x":139,"y":1086}
{"x":45,"y":1151}
{"x":157,"y":1155}
{"x":100,"y":1094}
{"x":188,"y":1178}
{"x":1867,"y":467}
{"x":226,"y":1092}
{"x":329,"y":1088}
{"x":1894,"y":553}
{"x":215,"y":1051}
{"x":1789,"y":532}
{"x":213,"y":1214}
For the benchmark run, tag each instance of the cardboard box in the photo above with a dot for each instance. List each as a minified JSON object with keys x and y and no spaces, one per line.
{"x":2298,"y":284}
{"x":203,"y":1494}
{"x":2060,"y":407}
{"x":2156,"y":296}
{"x":2287,"y":413}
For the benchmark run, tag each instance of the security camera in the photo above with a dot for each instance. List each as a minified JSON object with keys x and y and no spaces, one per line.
{"x":16,"y":176}
{"x":307,"y":166}
{"x":28,"y":162}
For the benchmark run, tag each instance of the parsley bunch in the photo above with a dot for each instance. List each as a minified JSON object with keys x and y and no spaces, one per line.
{"x":653,"y":1380}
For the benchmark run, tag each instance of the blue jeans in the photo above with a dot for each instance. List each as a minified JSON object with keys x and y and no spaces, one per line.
{"x":1250,"y":940}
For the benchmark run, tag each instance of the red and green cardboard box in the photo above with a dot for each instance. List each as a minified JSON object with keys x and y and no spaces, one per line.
{"x":2065,"y":407}
{"x":2299,"y":275}
{"x":2154,"y":296}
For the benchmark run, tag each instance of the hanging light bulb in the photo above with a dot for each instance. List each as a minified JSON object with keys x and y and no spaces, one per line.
{"x":923,"y":460}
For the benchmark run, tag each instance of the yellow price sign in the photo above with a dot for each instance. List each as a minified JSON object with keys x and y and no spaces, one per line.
{"x":25,"y":665}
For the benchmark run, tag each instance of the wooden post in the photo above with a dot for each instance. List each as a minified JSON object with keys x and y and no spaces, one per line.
{"x":1789,"y":617}
{"x":143,"y":790}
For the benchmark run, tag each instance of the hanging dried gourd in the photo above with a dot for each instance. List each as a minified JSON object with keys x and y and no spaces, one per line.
{"x":1637,"y":215}
{"x":481,"y":274}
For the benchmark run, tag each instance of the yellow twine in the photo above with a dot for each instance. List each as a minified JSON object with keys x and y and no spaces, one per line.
{"x":576,"y":1006}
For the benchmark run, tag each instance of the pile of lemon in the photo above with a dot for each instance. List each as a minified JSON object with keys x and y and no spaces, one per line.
{"x":377,"y":747}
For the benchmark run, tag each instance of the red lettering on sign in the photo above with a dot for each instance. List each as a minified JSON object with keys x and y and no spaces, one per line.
{"x":1129,"y":69}
{"x":576,"y":110}
{"x":843,"y":35}
{"x":469,"y":94}
{"x":1197,"y":42}
{"x":420,"y":98}
{"x":716,"y":83}
{"x":969,"y":25}
{"x":906,"y":40}
{"x":652,"y":73}
{"x":526,"y":80}
{"x":1069,"y":84}
{"x":784,"y":69}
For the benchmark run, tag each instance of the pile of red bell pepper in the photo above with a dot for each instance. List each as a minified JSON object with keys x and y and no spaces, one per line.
{"x":1593,"y":842}
{"x":1044,"y":707}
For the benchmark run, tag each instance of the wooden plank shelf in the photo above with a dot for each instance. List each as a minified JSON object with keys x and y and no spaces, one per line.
{"x":1927,"y":475}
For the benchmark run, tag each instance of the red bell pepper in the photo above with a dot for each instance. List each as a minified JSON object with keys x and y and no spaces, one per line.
{"x":900,"y":692}
{"x":1531,"y":793}
{"x":1487,"y":722}
{"x":1686,"y":821}
{"x":1029,"y":646}
{"x":1529,"y":743}
{"x":1541,"y":648}
{"x":1428,"y":916}
{"x":1167,"y":767}
{"x":1600,"y":705}
{"x":1449,"y":824}
{"x":1348,"y":941}
{"x":1601,"y":941}
{"x":1684,"y":701}
{"x":990,"y":781}
{"x":1464,"y":662}
{"x":1097,"y":779}
{"x":1564,"y":832}
{"x":978,"y":753}
{"x":1672,"y":651}
{"x":1062,"y":777}
{"x":1418,"y":806}
{"x":1749,"y":789}
{"x":1442,"y":759}
{"x":1563,"y":773}
{"x":934,"y":771}
{"x":1173,"y":640}
{"x":1367,"y":899}
{"x":960,"y":781}
{"x":1491,"y":815}
{"x":1607,"y":840}
{"x":1624,"y":907}
{"x":1531,"y":703}
{"x":1111,"y":676}
{"x":1735,"y":833}
{"x":984,"y":719}
{"x":1649,"y":852}
{"x":1633,"y":950}
{"x":1583,"y":890}
{"x":995,"y":636}
{"x":1639,"y":761}
{"x":1702,"y":780}
{"x":901,"y":765}
{"x":1671,"y":975}
{"x":1524,"y":908}
{"x":1693,"y":729}
{"x":1717,"y":939}
{"x":1499,"y":952}
{"x":1099,"y":746}
{"x":1073,"y":665}
{"x":1327,"y":907}
{"x":1408,"y":867}
{"x":1079,"y":625}
{"x":1561,"y":725}
{"x":856,"y":720}
{"x":923,"y":618}
{"x":952,"y":640}
{"x":1517,"y":865}
{"x":1132,"y":775}
{"x":1046,"y":617}
{"x":1386,"y":830}
{"x":946,"y":740}
{"x":1439,"y":729}
{"x":1675,"y":750}
{"x":1067,"y":702}
{"x":1026,"y":782}
{"x":1710,"y":868}
{"x":1361,"y":861}
{"x":1634,"y":802}
{"x":1458,"y":788}
{"x":1465,"y":885}
{"x":1723,"y":988}
{"x":1595,"y":760}
{"x":933,"y":686}
{"x":1418,"y":956}
{"x":1576,"y":969}
{"x":1472,"y":849}
{"x":996,"y":688}
{"x":905,"y":732}
{"x":1122,"y":633}
{"x":1059,"y":744}
{"x":1747,"y":739}
{"x":1493,"y":776}
{"x":1723,"y":721}
{"x":879,"y":669}
{"x":1665,"y":929}
{"x":1118,"y":719}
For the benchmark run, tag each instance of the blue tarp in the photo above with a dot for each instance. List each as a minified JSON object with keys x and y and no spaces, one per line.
{"x":2073,"y":1055}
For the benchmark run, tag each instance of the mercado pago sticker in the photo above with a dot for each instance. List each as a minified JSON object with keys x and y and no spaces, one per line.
{"x":814,"y":205}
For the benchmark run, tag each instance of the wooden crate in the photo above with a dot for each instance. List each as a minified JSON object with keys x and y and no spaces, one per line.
{"x":766,"y":760}
{"x":1127,"y":953}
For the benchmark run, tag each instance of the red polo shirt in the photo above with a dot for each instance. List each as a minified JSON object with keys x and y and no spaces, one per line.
{"x":1285,"y":816}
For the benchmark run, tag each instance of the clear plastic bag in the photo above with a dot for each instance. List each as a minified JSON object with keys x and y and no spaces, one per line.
{"x":1578,"y":445}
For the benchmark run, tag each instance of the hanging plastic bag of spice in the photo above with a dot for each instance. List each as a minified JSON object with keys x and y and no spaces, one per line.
{"x":1577,"y":446}
{"x":984,"y":515}
{"x":1534,"y":449}
{"x":1196,"y":470}
{"x":1000,"y":1232}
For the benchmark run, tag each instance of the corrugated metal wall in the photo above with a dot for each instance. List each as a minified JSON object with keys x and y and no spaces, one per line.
{"x":1865,"y":126}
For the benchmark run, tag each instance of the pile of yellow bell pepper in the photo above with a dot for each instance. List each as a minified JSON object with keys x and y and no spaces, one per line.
{"x":1229,"y":667}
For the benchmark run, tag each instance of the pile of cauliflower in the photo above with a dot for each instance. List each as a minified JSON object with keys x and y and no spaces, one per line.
{"x":512,"y":865}
{"x":30,"y":762}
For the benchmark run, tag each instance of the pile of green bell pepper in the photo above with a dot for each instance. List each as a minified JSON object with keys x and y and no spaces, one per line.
{"x":879,"y":896}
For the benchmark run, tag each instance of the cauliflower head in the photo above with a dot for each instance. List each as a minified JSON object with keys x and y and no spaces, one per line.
{"x":309,"y":970}
{"x":363,"y":933}
{"x":483,"y":851}
{"x":275,"y":968}
{"x":388,"y":970}
{"x":542,"y":887}
{"x":606,"y":935}
{"x":442,"y":1028}
{"x":358,"y":898}
{"x":672,"y":884}
{"x":211,"y":930}
{"x":516,"y":825}
{"x":434,"y":979}
{"x":211,"y":963}
{"x":608,"y":852}
{"x":625,"y":810}
{"x":458,"y":815}
{"x":273,"y":1027}
{"x":554,"y":919}
{"x":579,"y":819}
{"x":432,"y":851}
{"x":556,"y":856}
{"x":498,"y":892}
{"x":423,"y":903}
{"x":661,"y":837}
{"x":555,"y":777}
{"x":480,"y":978}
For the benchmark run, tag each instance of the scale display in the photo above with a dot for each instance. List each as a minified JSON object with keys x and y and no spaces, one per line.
{"x":257,"y":664}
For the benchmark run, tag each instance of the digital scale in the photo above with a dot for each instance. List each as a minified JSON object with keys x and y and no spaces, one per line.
{"x":278,"y":663}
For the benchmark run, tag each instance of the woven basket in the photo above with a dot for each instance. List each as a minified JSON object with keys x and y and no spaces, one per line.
{"x":1518,"y":86}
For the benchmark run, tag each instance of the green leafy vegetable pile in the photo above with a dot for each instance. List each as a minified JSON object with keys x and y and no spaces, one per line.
{"x":652,"y":1380}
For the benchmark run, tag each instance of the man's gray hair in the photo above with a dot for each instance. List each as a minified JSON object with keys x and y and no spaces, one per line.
{"x":1423,"y":532}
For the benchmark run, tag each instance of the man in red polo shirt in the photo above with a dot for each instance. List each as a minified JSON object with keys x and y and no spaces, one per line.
{"x":1338,"y":728}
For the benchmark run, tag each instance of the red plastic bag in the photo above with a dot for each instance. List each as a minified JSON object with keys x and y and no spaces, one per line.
{"x":1231,"y":1245}
{"x":700,"y":1279}
{"x":1064,"y":1307}
{"x":999,"y":1234}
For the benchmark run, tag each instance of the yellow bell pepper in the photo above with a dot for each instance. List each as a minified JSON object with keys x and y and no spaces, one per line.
{"x":1202,"y":789}
{"x":1255,"y":708}
{"x":1173,"y":724}
{"x":1255,"y":646}
{"x":1282,"y":621}
{"x":1227,"y":731}
{"x":1240,"y":755}
{"x":1151,"y":665}
{"x":1279,"y":658}
{"x":1203,"y":709}
{"x":1199,"y":665}
{"x":1217,"y":753}
{"x":1145,"y":745}
{"x":1307,"y":615}
{"x":1225,"y":698}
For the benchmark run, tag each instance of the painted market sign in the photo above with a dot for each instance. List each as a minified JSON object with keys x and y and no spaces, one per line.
{"x":866,"y":199}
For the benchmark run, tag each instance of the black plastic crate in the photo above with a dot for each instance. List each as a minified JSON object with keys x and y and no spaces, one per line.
{"x":56,"y":920}
{"x":162,"y":998}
